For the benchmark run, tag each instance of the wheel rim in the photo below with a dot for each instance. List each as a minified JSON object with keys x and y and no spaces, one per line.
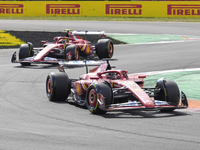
{"x":92,"y":98}
{"x":110,"y":50}
{"x":49,"y":87}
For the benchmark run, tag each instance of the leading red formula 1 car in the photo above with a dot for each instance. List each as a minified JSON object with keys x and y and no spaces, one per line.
{"x":104,"y":89}
{"x":69,"y":47}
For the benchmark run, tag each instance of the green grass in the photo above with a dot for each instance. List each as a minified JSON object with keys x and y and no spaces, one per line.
{"x":188,"y":82}
{"x":86,"y":18}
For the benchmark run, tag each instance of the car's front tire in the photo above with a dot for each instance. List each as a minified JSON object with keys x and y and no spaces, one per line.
{"x":96,"y":92}
{"x":57,"y":86}
{"x":25,"y":50}
{"x":167,"y":90}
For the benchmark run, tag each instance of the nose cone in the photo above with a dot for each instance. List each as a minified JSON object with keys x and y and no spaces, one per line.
{"x":149,"y":104}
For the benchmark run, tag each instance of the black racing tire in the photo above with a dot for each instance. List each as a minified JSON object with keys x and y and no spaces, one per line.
{"x":93,"y":94}
{"x":26,"y":50}
{"x":170,"y":93}
{"x":104,"y":48}
{"x":71,"y":52}
{"x":58,"y":86}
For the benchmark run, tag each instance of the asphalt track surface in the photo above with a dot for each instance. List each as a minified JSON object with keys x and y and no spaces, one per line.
{"x":30,"y":121}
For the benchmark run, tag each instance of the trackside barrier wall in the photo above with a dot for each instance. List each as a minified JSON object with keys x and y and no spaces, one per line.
{"x":101,"y":8}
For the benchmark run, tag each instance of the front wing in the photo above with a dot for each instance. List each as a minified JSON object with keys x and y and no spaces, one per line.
{"x":45,"y":60}
{"x":128,"y":106}
{"x":158,"y":105}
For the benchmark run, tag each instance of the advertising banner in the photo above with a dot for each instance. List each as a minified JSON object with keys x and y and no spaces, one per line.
{"x":101,"y":8}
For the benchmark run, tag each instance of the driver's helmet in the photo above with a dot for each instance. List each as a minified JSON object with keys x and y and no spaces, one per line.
{"x":113,"y":75}
{"x":61,"y":41}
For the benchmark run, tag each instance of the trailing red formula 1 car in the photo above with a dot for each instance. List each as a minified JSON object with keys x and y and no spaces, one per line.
{"x":70,"y":47}
{"x":104,"y":89}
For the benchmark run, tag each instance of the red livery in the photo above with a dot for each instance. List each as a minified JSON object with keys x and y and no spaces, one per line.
{"x":69,"y":47}
{"x":104,"y":89}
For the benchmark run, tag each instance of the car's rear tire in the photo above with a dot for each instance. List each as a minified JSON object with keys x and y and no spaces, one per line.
{"x":169,"y":92}
{"x":104,"y":48}
{"x":25,"y":50}
{"x":101,"y":91}
{"x":71,"y":52}
{"x":57,"y":86}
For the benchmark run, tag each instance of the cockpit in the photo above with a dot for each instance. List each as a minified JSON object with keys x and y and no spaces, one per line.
{"x":113,"y":76}
{"x":61,"y":40}
{"x":116,"y":75}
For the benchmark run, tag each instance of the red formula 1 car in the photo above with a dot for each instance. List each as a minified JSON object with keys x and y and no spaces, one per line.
{"x":70,"y":47}
{"x":104,"y":89}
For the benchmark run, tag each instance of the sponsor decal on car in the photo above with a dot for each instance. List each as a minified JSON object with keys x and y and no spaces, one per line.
{"x":50,"y":59}
{"x":29,"y":59}
{"x":127,"y":104}
{"x":133,"y":103}
{"x":157,"y":102}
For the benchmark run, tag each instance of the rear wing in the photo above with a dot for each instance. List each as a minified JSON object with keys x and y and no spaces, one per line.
{"x":82,"y":32}
{"x":85,"y":33}
{"x":83,"y":63}
{"x":88,"y":32}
